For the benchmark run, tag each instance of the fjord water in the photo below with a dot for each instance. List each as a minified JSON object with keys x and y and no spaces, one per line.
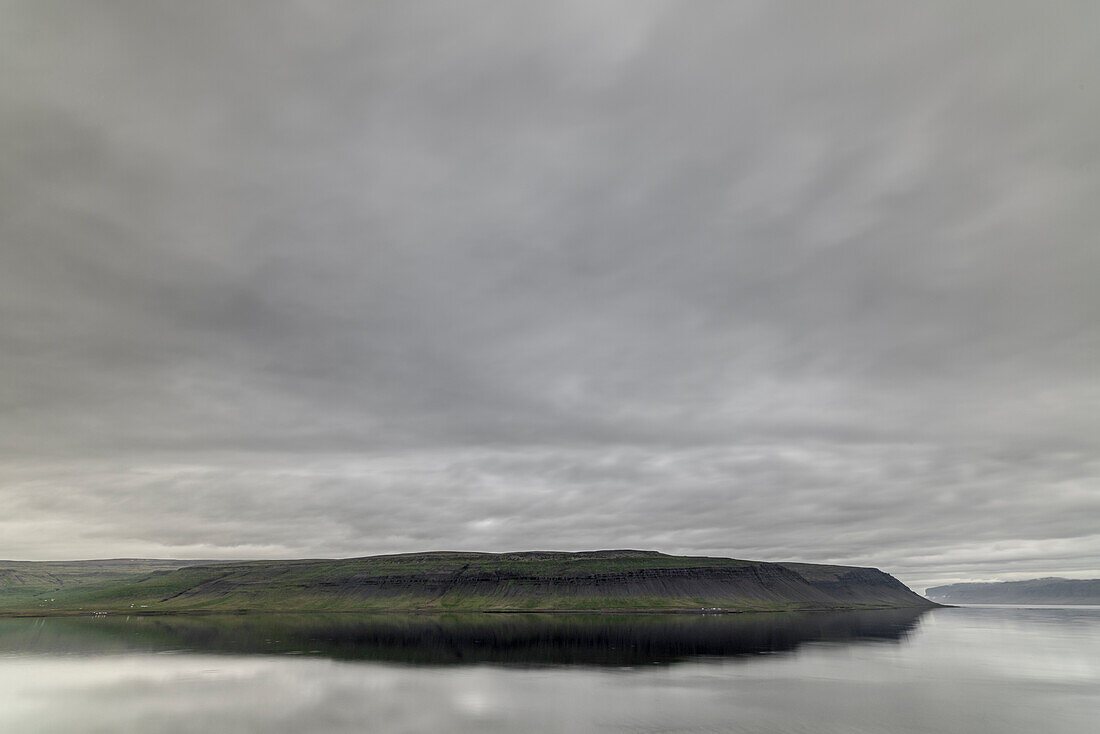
{"x":970,"y":669}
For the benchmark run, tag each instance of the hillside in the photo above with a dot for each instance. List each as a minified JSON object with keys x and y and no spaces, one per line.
{"x":596,"y":580}
{"x":1032,"y":591}
{"x":24,"y":583}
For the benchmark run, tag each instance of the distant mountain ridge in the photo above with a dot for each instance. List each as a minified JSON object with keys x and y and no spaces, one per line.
{"x":1050,"y":590}
{"x":441,"y":581}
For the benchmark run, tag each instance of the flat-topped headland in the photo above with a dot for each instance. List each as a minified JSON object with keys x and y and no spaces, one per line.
{"x":612,"y":580}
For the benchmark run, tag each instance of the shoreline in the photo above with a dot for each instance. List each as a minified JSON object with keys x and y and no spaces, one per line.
{"x":28,"y":614}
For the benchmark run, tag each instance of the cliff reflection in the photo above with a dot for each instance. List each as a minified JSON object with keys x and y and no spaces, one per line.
{"x":457,"y":639}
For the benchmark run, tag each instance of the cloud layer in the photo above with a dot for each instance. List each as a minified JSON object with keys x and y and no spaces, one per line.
{"x":813,"y":283}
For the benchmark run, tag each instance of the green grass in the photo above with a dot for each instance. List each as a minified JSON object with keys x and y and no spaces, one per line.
{"x":30,"y":583}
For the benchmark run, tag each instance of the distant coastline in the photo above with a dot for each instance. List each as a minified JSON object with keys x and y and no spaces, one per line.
{"x":1051,"y":590}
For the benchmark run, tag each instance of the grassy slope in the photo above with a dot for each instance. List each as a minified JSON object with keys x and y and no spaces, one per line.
{"x":27,"y":583}
{"x":421,"y":581}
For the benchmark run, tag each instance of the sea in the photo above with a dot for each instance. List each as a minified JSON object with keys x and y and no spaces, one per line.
{"x":970,"y":670}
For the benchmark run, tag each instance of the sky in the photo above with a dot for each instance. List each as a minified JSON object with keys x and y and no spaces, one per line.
{"x":780,"y":281}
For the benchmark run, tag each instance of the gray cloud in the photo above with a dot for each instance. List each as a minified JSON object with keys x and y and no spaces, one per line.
{"x":809,"y":282}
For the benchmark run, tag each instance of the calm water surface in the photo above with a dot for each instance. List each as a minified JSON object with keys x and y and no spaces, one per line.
{"x":970,"y":669}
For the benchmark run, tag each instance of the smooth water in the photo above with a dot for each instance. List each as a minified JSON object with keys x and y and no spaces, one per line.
{"x":970,"y":669}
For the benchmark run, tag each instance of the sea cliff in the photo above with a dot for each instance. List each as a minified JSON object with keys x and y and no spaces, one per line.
{"x":621,"y":580}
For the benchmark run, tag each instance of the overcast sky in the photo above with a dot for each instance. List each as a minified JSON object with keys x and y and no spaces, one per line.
{"x":802,"y":281}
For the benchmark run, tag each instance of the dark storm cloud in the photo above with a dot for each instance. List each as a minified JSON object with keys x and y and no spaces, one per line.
{"x":788,"y":282}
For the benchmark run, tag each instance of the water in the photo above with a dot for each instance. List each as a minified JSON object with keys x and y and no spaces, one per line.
{"x":971,"y":669}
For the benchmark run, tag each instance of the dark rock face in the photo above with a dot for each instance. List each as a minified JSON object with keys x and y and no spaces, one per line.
{"x":1032,"y":591}
{"x":858,"y":583}
{"x":759,"y":584}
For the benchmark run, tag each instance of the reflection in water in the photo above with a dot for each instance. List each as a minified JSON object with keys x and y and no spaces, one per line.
{"x":956,"y":671}
{"x":523,"y":639}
